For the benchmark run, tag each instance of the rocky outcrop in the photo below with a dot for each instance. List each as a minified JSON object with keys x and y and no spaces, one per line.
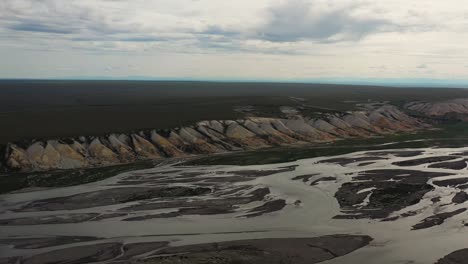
{"x":100,"y":154}
{"x":69,"y":157}
{"x":38,"y":158}
{"x":262,"y":127}
{"x":144,"y":148}
{"x":205,"y":137}
{"x":123,"y":150}
{"x":165,"y":146}
{"x":242,"y":136}
{"x":17,"y":158}
{"x":458,"y":106}
{"x":326,"y":127}
{"x":301,"y":127}
{"x":197,"y":141}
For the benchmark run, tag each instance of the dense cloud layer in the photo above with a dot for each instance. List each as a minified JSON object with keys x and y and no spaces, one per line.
{"x":299,"y":19}
{"x":214,"y":32}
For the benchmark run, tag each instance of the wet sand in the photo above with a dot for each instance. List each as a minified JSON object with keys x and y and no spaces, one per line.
{"x":383,"y":213}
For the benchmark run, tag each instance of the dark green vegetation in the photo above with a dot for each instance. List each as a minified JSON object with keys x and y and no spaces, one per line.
{"x":61,"y":178}
{"x":448,"y":135}
{"x":54,"y":109}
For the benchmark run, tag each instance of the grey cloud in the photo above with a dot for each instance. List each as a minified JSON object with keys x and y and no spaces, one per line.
{"x":52,"y":16}
{"x":216,"y":30}
{"x":300,"y":20}
{"x":143,"y":39}
{"x":130,"y":37}
{"x":133,"y":39}
{"x":295,"y":20}
{"x":218,"y":39}
{"x":34,"y":26}
{"x":237,"y":45}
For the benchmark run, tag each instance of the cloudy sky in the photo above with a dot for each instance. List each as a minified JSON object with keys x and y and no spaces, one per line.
{"x":241,"y":39}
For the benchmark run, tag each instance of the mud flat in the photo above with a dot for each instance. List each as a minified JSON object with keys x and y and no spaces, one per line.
{"x":264,"y":251}
{"x":456,"y":257}
{"x":333,"y":209}
{"x":270,"y":250}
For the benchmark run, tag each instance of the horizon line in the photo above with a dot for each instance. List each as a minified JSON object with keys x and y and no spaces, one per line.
{"x":386,"y":82}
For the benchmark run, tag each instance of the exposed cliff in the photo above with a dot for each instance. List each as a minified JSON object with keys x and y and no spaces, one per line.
{"x":437,"y":109}
{"x":205,"y":137}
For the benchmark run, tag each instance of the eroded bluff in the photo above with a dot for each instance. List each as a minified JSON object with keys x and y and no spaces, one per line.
{"x":440,"y":109}
{"x":203,"y":138}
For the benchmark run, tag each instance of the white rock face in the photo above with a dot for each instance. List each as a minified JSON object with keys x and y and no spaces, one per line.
{"x":124,"y":151}
{"x":211,"y":134}
{"x":17,"y":158}
{"x":102,"y":154}
{"x":124,"y":139}
{"x":234,"y":130}
{"x":278,"y":125}
{"x":51,"y":158}
{"x":177,"y":141}
{"x":218,"y":139}
{"x":167,"y":147}
{"x":35,"y":152}
{"x":300,"y":126}
{"x":217,"y":126}
{"x":356,"y":120}
{"x":375,"y":117}
{"x":276,"y":136}
{"x":339,"y":123}
{"x":43,"y":158}
{"x":322,"y":125}
{"x":69,"y":158}
{"x":241,"y":136}
{"x":144,"y":148}
{"x":255,"y":128}
{"x":190,"y":135}
{"x":79,"y":148}
{"x":440,"y":108}
{"x":197,"y":141}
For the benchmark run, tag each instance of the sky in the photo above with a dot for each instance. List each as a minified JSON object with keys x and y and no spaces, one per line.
{"x":234,"y":40}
